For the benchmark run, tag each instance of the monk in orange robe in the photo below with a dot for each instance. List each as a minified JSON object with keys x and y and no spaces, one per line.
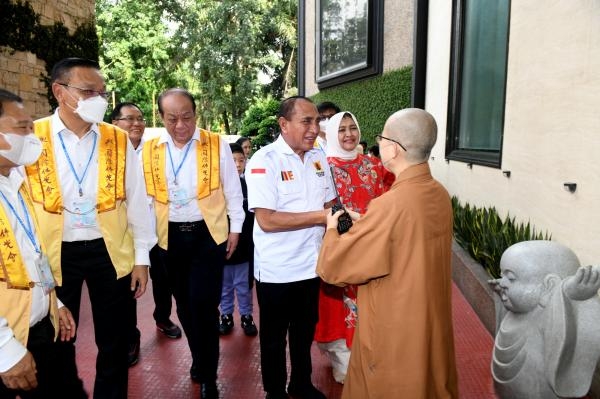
{"x":399,"y":254}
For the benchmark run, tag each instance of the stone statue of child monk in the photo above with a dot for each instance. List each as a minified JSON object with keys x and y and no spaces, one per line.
{"x":548,"y":343}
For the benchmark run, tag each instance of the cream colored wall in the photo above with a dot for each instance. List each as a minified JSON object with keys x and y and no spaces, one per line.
{"x":552,"y":121}
{"x":397,"y":39}
{"x":310,"y":84}
{"x":398,"y":34}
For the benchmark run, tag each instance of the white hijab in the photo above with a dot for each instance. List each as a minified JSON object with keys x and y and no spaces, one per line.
{"x":334,"y":149}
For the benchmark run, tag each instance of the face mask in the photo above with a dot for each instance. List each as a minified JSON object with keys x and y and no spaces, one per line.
{"x":323,"y":124}
{"x":24,"y":150}
{"x":92,"y":109}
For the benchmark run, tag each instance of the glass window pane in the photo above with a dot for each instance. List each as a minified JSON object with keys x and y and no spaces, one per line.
{"x":483,"y":74}
{"x":344,"y":35}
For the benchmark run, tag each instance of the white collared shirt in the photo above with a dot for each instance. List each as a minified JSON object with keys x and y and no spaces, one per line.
{"x":279,"y":180}
{"x":187,"y":179}
{"x":11,"y":350}
{"x":79,"y":150}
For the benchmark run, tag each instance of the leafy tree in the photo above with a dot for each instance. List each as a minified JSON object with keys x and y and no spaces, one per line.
{"x":214,"y":48}
{"x":281,"y":47}
{"x":136,"y":52}
{"x":227,"y":43}
{"x":260,"y":122}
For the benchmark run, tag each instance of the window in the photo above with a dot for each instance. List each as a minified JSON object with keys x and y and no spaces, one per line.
{"x":477,"y":81}
{"x":349,"y":40}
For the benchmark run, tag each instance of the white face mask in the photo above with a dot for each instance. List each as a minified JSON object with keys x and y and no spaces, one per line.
{"x":24,"y":150}
{"x":92,"y":109}
{"x":323,"y":124}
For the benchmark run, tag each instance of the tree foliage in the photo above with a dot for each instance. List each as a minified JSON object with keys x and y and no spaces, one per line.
{"x":217,"y":49}
{"x":260,"y":122}
{"x":227,"y":43}
{"x":136,"y":52}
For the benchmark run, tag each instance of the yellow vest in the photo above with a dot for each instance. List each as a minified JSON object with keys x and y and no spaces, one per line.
{"x":15,"y":282}
{"x":111,"y":209}
{"x":210,"y":196}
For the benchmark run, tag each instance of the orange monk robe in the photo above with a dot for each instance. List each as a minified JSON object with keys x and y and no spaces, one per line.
{"x":399,"y":252}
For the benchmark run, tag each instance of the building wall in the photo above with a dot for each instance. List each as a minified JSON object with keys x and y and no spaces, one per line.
{"x":397,"y":39}
{"x":552,"y":121}
{"x":20,"y":71}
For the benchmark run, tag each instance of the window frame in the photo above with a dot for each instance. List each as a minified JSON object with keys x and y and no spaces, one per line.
{"x":373,"y":64}
{"x":491,"y":158}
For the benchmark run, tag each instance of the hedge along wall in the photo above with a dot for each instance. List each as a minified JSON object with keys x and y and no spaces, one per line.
{"x":372,"y":100}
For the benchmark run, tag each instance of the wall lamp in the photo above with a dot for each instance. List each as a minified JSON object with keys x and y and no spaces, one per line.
{"x":570,"y":187}
{"x":506,"y":173}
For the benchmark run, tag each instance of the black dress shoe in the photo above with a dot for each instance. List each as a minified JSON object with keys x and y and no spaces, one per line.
{"x":208,"y":390}
{"x":169,"y":328}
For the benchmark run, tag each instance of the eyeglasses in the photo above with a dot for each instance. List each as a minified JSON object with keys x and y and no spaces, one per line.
{"x":379,"y":137}
{"x":87,"y":92}
{"x":132,"y":119}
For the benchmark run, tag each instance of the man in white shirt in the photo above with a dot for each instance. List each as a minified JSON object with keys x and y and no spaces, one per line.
{"x":88,"y":188}
{"x":198,"y":199}
{"x":129,"y":117}
{"x":30,"y":315}
{"x":289,"y":187}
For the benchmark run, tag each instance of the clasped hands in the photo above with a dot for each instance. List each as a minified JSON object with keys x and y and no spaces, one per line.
{"x":332,"y":219}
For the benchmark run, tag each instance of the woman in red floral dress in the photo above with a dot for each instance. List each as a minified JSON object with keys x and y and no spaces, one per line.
{"x":359,"y":179}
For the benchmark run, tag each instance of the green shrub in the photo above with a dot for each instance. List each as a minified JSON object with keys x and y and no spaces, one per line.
{"x":482,"y":233}
{"x":260,"y":122}
{"x":372,"y":100}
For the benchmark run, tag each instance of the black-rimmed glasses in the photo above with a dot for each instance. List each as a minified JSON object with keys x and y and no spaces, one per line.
{"x":87,"y":92}
{"x":379,"y":137}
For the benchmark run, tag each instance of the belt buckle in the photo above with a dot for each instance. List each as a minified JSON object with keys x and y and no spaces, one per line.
{"x":186,"y":228}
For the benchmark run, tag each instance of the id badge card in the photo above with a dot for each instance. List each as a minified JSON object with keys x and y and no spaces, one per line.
{"x":82,"y":214}
{"x":46,"y":278}
{"x":178,"y":196}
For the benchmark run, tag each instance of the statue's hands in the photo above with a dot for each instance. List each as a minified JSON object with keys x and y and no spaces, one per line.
{"x":584,"y":284}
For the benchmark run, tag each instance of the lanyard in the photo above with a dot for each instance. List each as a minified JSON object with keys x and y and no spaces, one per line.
{"x":79,"y":180}
{"x":187,"y":150}
{"x":28,"y":228}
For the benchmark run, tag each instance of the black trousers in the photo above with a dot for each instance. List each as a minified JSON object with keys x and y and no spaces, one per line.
{"x":53,"y":382}
{"x":161,"y":292}
{"x":89,"y":261}
{"x":195,"y":270}
{"x":287,"y":309}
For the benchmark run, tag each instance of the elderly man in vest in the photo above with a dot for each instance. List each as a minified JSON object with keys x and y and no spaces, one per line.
{"x":128,"y":116}
{"x":86,"y":187}
{"x":191,"y":175}
{"x":31,"y":318}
